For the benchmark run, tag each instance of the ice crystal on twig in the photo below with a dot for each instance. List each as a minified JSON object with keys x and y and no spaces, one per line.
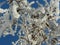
{"x":33,"y":22}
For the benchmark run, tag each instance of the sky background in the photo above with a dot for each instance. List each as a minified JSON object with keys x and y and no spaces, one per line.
{"x":8,"y":39}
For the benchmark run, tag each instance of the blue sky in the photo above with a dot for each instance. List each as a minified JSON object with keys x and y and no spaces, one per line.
{"x":6,"y":5}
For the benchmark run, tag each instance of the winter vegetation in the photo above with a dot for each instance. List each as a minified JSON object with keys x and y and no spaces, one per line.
{"x":33,"y":26}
